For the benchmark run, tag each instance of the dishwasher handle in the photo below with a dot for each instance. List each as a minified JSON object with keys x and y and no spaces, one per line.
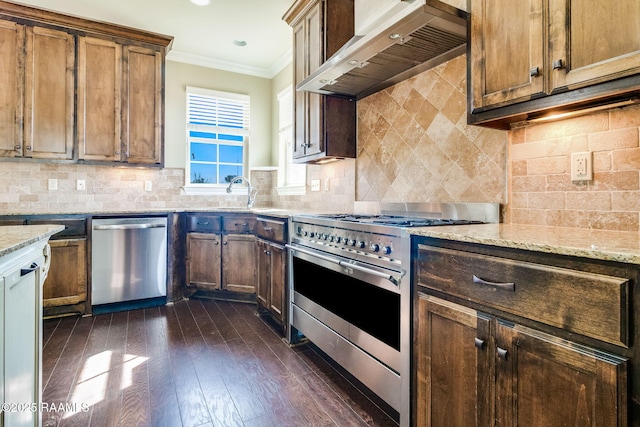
{"x":127,"y":226}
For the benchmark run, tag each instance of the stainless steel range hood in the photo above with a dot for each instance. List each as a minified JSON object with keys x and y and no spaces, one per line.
{"x":410,"y":37}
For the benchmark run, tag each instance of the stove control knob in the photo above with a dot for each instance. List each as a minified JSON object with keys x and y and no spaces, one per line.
{"x":312,"y":234}
{"x":352,"y":242}
{"x":375,"y":247}
{"x":386,"y":250}
{"x":362,"y":244}
{"x":338,"y":239}
{"x":305,"y":233}
{"x":326,"y":237}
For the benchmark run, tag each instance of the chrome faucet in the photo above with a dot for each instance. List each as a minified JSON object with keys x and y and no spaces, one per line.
{"x":250,"y":190}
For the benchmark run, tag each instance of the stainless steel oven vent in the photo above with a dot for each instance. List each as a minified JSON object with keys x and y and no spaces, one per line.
{"x":428,"y":33}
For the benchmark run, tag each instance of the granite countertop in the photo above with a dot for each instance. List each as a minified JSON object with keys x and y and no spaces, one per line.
{"x":621,"y":246}
{"x":14,"y":237}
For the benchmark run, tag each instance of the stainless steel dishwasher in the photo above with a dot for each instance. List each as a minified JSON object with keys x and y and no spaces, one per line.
{"x":128,"y":259}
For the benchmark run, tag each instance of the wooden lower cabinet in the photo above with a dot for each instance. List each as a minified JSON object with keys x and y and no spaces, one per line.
{"x":271,"y":289}
{"x":454,"y":365}
{"x":221,"y":262}
{"x":239,"y":263}
{"x":472,"y":369}
{"x":203,"y":261}
{"x":65,"y":290}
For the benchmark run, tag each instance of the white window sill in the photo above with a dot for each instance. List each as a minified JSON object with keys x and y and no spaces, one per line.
{"x":292,"y":190}
{"x":218,"y":190}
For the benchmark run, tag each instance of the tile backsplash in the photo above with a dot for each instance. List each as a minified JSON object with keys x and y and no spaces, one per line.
{"x":24,"y":190}
{"x":414,"y":144}
{"x":541,"y":188}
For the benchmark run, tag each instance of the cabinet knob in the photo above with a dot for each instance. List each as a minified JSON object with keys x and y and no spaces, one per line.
{"x":217,"y":243}
{"x":557,"y":65}
{"x":225,"y":243}
{"x":18,"y":147}
{"x":28,"y":147}
{"x":479,"y":343}
{"x":534,"y":72}
{"x":502,"y":353}
{"x":117,"y":153}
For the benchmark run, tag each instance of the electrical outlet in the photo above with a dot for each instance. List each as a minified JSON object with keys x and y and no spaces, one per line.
{"x":326,"y":184}
{"x":81,"y":185}
{"x":581,"y":166}
{"x":315,"y":185}
{"x":53,"y":184}
{"x":148,"y":185}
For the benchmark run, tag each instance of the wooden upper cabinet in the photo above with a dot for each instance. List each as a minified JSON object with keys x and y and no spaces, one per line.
{"x":142,"y":105}
{"x":528,"y":58}
{"x":116,"y":72}
{"x":324,"y":126}
{"x":507,"y":56}
{"x":11,"y":88}
{"x":99,"y":99}
{"x":50,"y":90}
{"x":593,"y":41}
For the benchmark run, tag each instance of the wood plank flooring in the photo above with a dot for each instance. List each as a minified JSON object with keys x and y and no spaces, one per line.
{"x":195,"y":363}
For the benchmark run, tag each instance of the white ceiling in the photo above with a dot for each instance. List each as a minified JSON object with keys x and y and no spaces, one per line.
{"x":203,"y":35}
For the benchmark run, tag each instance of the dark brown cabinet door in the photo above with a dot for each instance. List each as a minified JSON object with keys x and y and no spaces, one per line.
{"x":239,"y":263}
{"x":99,"y":99}
{"x":49,"y":94}
{"x":66,"y":283}
{"x":592,"y":41}
{"x":203,"y":261}
{"x":142,"y":107}
{"x":507,"y":62}
{"x":323,"y":126}
{"x":278,"y":270}
{"x":454,"y":365}
{"x":11,"y":88}
{"x":546,"y":381}
{"x":263,"y":288}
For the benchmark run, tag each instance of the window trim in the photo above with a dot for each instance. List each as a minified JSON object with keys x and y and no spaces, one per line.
{"x":218,"y":188}
{"x":283,"y":188}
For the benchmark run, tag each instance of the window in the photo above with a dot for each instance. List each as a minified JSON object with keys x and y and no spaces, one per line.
{"x":217,"y":136}
{"x":291,"y":176}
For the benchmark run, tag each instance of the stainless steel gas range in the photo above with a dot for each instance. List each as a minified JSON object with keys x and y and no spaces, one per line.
{"x":351,"y":291}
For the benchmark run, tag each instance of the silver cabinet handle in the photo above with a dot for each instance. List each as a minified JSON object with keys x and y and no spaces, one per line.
{"x":534,"y":71}
{"x":502,"y":353}
{"x":479,"y":343}
{"x":506,"y":286}
{"x":557,"y":65}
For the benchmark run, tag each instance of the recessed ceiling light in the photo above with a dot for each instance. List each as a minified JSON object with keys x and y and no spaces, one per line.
{"x":240,"y":42}
{"x":200,"y":2}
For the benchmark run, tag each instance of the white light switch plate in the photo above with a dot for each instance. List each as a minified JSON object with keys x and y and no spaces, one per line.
{"x":315,"y":185}
{"x":148,"y":185}
{"x":53,"y":184}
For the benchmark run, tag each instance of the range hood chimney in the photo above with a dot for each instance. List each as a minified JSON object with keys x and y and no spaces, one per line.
{"x":404,"y":38}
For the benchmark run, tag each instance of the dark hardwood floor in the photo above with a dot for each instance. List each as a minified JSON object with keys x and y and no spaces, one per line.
{"x":196,"y":363}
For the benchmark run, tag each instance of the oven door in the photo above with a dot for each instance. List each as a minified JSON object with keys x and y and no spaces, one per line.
{"x":358,"y":301}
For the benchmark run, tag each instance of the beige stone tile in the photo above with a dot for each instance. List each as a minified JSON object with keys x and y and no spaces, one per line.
{"x":624,"y":117}
{"x":548,"y":166}
{"x":613,"y":139}
{"x":628,"y":159}
{"x":589,"y":200}
{"x":615,"y":181}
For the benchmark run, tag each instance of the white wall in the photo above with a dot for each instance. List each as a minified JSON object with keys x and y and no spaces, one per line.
{"x":180,"y":75}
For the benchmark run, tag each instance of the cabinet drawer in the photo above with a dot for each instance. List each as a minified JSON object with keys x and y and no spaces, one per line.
{"x":73,"y":227}
{"x":594,"y":305}
{"x":271,"y":229}
{"x":238,"y":224}
{"x":203,"y":223}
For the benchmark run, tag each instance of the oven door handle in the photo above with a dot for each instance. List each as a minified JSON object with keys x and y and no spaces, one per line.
{"x":345,"y":264}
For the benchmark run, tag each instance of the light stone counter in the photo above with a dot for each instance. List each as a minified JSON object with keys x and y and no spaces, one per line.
{"x":621,"y":246}
{"x":14,"y":237}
